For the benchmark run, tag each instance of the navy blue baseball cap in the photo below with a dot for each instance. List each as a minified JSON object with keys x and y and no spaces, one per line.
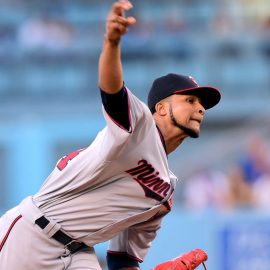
{"x":171,"y":84}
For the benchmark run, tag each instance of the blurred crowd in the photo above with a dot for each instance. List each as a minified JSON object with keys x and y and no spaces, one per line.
{"x":244,"y":184}
{"x":61,"y":25}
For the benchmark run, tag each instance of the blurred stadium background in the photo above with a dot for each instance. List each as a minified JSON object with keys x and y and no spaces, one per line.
{"x":50,"y":106}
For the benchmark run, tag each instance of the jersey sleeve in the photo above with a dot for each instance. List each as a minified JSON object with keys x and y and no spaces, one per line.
{"x":136,"y":240}
{"x":115,"y":137}
{"x":123,"y":111}
{"x":116,"y":106}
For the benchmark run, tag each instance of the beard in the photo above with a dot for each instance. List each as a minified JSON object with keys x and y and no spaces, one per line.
{"x":189,"y":131}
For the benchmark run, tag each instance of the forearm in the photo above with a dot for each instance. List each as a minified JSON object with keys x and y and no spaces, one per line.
{"x":110,"y":67}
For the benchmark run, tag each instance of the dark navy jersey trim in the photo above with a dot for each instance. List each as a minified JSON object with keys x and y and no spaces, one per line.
{"x":117,"y":107}
{"x":162,"y":139}
{"x":124,"y":254}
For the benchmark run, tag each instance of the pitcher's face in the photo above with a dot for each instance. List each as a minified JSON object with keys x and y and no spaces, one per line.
{"x":186,"y":113}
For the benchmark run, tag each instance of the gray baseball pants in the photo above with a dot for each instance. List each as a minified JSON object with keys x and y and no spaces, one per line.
{"x":25,"y":246}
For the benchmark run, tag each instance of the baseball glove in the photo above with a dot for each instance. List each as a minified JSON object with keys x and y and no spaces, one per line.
{"x":187,"y":261}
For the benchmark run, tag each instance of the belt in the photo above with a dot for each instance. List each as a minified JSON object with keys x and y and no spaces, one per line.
{"x":69,"y":243}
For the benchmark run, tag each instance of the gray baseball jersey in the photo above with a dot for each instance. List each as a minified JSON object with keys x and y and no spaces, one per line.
{"x":116,"y":189}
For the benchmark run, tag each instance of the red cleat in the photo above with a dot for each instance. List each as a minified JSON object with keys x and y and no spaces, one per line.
{"x":187,"y":261}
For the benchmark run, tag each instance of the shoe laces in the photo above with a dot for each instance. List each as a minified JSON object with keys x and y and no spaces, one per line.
{"x":204,"y":266}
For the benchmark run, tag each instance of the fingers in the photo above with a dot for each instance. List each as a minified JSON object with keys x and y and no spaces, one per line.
{"x":131,"y":20}
{"x":117,"y":23}
{"x":120,"y":7}
{"x":115,"y":30}
{"x":122,"y":20}
{"x":117,"y":13}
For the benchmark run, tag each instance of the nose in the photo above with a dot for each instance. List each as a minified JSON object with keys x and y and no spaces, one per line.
{"x":201,"y":109}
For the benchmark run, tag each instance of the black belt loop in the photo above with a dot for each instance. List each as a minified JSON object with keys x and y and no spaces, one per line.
{"x":71,"y":244}
{"x":42,"y":222}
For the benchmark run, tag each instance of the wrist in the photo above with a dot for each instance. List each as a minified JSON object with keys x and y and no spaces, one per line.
{"x":112,"y":42}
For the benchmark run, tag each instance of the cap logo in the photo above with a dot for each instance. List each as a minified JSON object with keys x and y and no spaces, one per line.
{"x":194,"y":81}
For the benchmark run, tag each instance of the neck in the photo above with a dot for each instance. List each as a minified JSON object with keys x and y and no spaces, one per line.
{"x":172,"y":136}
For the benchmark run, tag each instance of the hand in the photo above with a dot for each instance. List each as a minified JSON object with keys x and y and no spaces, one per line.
{"x":117,"y":24}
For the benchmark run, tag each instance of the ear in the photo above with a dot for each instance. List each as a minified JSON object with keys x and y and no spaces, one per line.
{"x":161,"y":108}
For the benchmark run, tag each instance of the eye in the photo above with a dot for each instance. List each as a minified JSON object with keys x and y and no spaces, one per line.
{"x":191,"y":100}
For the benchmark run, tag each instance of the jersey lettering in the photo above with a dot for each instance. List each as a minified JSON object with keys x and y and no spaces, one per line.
{"x":61,"y":165}
{"x":153,"y":186}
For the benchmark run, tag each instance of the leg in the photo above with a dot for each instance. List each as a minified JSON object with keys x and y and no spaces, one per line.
{"x":25,"y":247}
{"x":84,"y":260}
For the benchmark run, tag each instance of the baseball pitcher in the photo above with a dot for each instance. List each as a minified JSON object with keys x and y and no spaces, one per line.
{"x":120,"y":187}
